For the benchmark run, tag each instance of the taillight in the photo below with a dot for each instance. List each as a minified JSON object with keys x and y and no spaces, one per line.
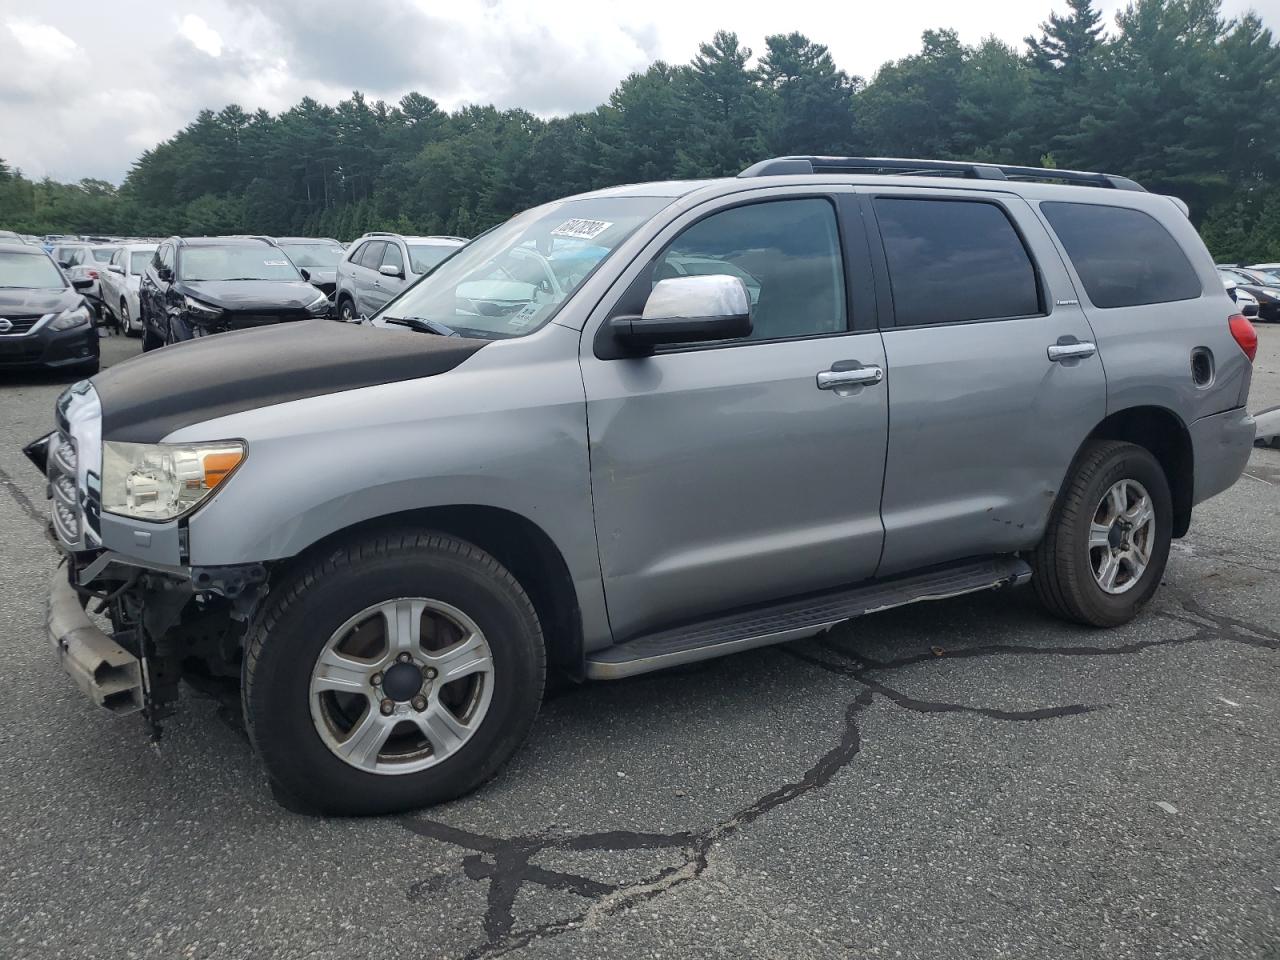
{"x":1245,"y":335}
{"x":93,"y":274}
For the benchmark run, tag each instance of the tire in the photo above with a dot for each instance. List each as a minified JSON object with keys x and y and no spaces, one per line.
{"x":346,"y":310}
{"x":315,"y":602}
{"x":150,"y":339}
{"x":126,"y":321}
{"x":1069,"y":572}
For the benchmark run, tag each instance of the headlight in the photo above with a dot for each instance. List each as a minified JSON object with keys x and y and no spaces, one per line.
{"x":200,"y":311}
{"x":160,"y":481}
{"x":319,"y":306}
{"x":69,"y":319}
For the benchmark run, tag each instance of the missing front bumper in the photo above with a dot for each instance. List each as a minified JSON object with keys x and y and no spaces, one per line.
{"x":108,"y":674}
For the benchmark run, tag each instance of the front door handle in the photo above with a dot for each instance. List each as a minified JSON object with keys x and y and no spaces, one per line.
{"x":1077,"y":350}
{"x":836,"y":378}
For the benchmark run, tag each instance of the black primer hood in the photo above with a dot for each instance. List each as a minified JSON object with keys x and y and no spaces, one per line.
{"x":147,"y":398}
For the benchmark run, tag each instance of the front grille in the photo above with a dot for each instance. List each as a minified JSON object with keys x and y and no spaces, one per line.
{"x":62,"y":485}
{"x":20,"y":325}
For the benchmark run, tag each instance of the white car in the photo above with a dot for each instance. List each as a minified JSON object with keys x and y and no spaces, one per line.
{"x":120,"y":285}
{"x":85,"y":261}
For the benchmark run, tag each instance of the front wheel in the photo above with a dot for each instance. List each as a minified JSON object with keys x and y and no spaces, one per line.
{"x":347,"y":310}
{"x":1107,"y":542}
{"x":150,"y":339}
{"x":393,"y":672}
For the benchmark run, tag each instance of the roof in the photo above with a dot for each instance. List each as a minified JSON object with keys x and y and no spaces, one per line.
{"x":25,"y":248}
{"x":217,"y":241}
{"x":439,"y":241}
{"x":302,"y":240}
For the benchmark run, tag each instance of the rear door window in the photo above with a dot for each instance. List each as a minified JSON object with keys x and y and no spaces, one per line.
{"x":953,"y":261}
{"x":1124,"y":257}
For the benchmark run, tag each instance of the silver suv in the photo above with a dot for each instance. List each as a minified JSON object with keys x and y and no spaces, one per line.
{"x":642,"y":427}
{"x":378,"y":266}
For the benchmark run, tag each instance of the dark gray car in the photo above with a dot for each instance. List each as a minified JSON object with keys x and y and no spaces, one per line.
{"x":580,"y":445}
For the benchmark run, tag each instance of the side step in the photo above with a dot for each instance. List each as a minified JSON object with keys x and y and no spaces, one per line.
{"x":794,"y":619}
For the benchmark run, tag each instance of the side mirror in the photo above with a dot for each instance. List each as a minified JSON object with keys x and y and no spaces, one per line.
{"x":390,"y":270}
{"x":65,"y":264}
{"x":165,"y":274}
{"x":306,"y":274}
{"x":82,"y":283}
{"x":116,"y":268}
{"x":688,"y":310}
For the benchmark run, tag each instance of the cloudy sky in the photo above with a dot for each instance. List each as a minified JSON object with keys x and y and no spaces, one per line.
{"x":86,"y":86}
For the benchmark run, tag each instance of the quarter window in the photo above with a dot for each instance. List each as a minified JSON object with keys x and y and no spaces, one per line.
{"x":787,"y":254}
{"x":1124,"y":257}
{"x":951,"y":261}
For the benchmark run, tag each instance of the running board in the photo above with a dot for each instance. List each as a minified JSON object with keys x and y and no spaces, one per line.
{"x":795,"y":619}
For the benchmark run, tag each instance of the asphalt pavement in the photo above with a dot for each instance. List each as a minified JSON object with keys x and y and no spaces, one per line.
{"x":967,"y":778}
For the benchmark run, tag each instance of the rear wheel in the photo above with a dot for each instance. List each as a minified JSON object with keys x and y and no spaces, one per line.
{"x":395,"y":672}
{"x":1107,"y":543}
{"x":126,"y":321}
{"x":150,"y":339}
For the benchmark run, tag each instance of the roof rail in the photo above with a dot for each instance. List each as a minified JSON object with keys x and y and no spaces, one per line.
{"x":379,"y":233}
{"x":800,"y":166}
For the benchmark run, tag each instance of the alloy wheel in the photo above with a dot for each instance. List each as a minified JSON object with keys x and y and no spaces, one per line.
{"x":1121,"y":536}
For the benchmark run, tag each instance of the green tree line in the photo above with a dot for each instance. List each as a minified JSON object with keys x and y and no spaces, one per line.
{"x":1174,"y":95}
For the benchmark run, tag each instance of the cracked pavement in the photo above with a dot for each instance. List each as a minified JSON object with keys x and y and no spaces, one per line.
{"x":954,"y":779}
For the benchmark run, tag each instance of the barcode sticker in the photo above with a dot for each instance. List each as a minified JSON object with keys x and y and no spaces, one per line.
{"x":582,"y":229}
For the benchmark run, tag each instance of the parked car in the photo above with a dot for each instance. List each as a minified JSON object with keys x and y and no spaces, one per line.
{"x":389,"y":531}
{"x":118,"y":285}
{"x":380,"y":265}
{"x":315,"y":257}
{"x":44,"y":318}
{"x":1263,"y":287}
{"x":197,"y":286}
{"x":1246,"y":302}
{"x":8,"y":236}
{"x":1272,"y":268}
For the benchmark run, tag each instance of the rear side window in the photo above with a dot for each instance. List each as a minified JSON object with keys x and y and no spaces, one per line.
{"x":951,"y":261}
{"x":1124,"y":256}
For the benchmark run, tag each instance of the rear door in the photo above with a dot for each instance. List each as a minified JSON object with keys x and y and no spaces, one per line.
{"x":994,"y":379}
{"x":735,"y":473}
{"x":364,"y":272}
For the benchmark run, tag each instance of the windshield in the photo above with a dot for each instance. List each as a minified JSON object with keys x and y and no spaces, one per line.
{"x":103,"y":254}
{"x":424,"y":256}
{"x":25,"y":271}
{"x":510,"y":281}
{"x":235,"y":262}
{"x":139,"y":259}
{"x":313,"y":254}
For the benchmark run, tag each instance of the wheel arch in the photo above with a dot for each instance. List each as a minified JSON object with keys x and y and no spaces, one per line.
{"x":516,"y":542}
{"x":1163,"y":433}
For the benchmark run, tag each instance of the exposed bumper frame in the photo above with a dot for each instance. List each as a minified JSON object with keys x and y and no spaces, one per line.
{"x":108,"y":674}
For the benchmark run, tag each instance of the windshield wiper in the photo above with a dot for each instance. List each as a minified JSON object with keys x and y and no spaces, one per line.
{"x":423,"y":325}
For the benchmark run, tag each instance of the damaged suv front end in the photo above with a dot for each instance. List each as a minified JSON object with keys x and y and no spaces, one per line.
{"x":119,"y":515}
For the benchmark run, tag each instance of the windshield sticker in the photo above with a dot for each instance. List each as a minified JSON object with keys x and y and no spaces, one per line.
{"x":582,"y":229}
{"x":525,"y":316}
{"x":275,"y":263}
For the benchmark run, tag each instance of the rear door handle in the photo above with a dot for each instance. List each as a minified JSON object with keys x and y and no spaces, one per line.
{"x":1078,"y":350}
{"x":836,"y":378}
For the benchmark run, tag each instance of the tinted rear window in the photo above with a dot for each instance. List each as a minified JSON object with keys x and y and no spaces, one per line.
{"x":1124,"y":256}
{"x":955,"y":260}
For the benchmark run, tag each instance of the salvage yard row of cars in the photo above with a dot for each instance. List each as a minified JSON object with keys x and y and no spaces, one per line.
{"x":176,"y":289}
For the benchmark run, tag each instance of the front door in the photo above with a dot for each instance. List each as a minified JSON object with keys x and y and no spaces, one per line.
{"x":993,"y":377}
{"x":731,"y":474}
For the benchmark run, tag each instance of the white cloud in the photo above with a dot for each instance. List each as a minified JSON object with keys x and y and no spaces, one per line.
{"x":202,"y":36}
{"x":42,"y":40}
{"x":84,"y":89}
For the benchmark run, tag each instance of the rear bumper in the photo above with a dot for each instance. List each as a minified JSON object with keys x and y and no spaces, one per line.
{"x":1221,"y":444}
{"x":108,"y":674}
